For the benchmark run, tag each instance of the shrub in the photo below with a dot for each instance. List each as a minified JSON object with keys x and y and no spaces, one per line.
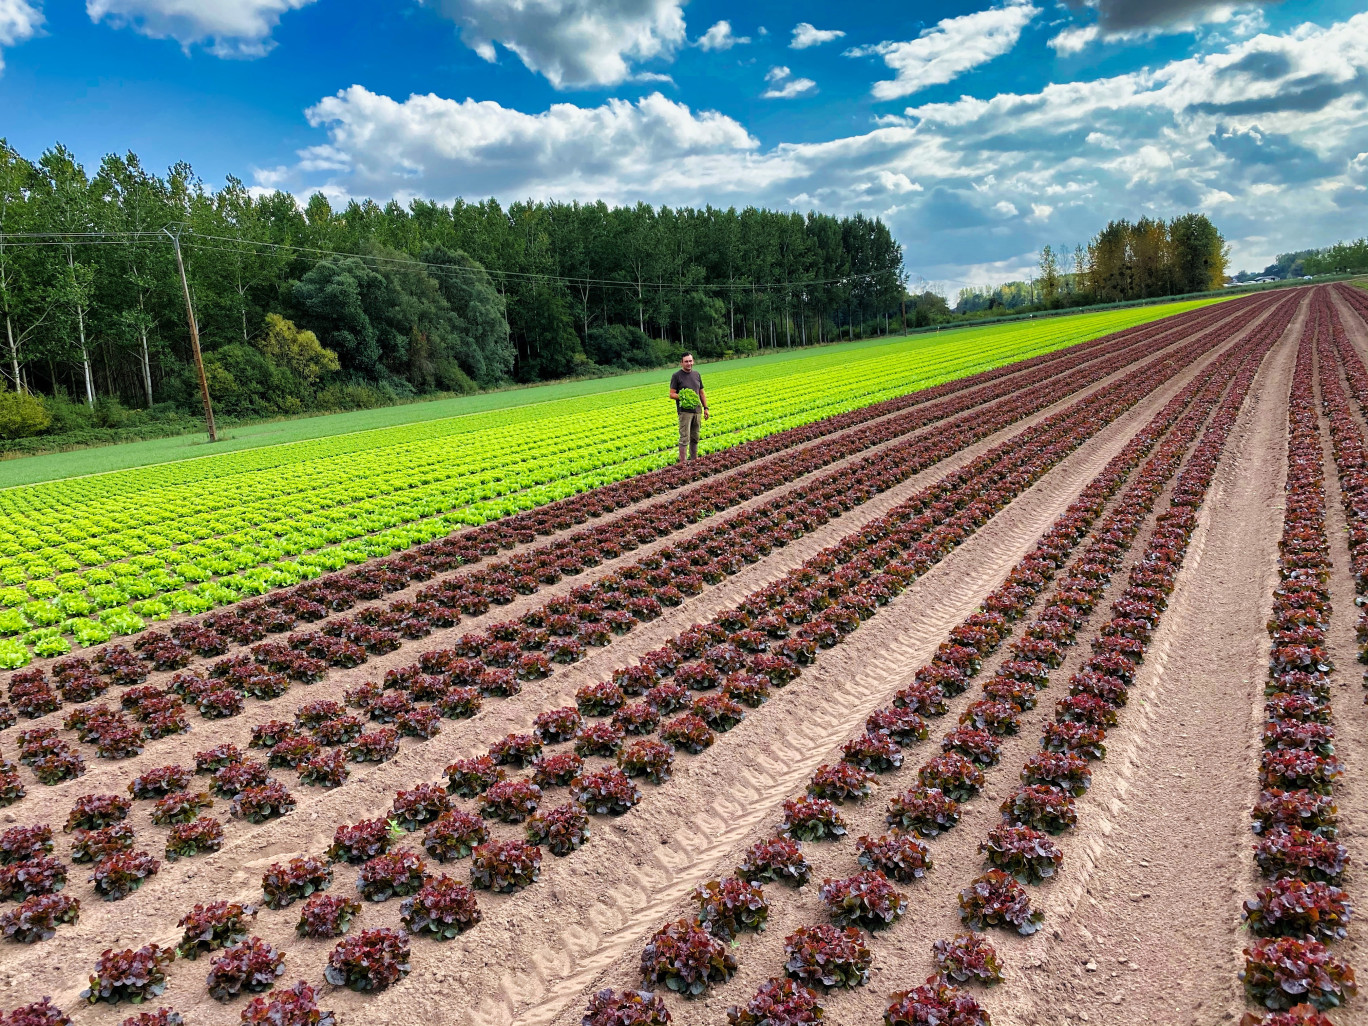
{"x":778,"y":1002}
{"x":1027,"y":854}
{"x":360,"y":842}
{"x":117,"y":876}
{"x":210,"y":927}
{"x":898,"y":856}
{"x":296,"y":1006}
{"x":811,"y":819}
{"x":827,"y":956}
{"x":1284,"y":972}
{"x":325,"y":916}
{"x":129,"y":975}
{"x":504,"y":866}
{"x":626,"y":1008}
{"x":1295,"y":908}
{"x":468,"y":778}
{"x":996,"y":899}
{"x":967,"y":958}
{"x":398,"y":872}
{"x":726,"y":907}
{"x":37,"y":917}
{"x":924,"y":810}
{"x":443,"y":908}
{"x":562,"y":829}
{"x":866,"y":899}
{"x":285,"y":884}
{"x":779,"y":860}
{"x":605,"y":792}
{"x":454,"y":835}
{"x":258,"y":804}
{"x":251,"y":966}
{"x":96,"y":811}
{"x":180,"y":807}
{"x":934,"y":1003}
{"x":686,"y":959}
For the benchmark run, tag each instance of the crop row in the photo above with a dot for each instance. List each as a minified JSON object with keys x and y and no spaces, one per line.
{"x":496,"y":662}
{"x":819,"y":624}
{"x":48,"y":594}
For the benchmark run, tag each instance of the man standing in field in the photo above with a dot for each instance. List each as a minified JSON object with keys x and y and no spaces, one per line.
{"x":692,"y":411}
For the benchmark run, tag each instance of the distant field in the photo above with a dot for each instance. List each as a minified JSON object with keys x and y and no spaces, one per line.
{"x":94,"y":542}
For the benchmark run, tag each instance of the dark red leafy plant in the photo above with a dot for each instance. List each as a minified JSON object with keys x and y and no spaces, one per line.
{"x":421,"y":804}
{"x":42,"y":875}
{"x":284,"y":884}
{"x":841,"y":782}
{"x":953,"y":775}
{"x":561,"y":830}
{"x":556,"y":770}
{"x":727,"y":907}
{"x":996,"y":899}
{"x":129,"y":975}
{"x":37,"y":917}
{"x":397,"y":872}
{"x":1301,"y":854}
{"x":93,"y":845}
{"x":213,"y":926}
{"x":38,"y":1013}
{"x":21,"y":843}
{"x":647,"y":758}
{"x":443,"y":909}
{"x":325,"y":916}
{"x":161,"y":1017}
{"x":96,"y":811}
{"x":1022,"y":851}
{"x":180,"y":807}
{"x":812,"y":819}
{"x":1296,"y":908}
{"x":605,"y":792}
{"x":117,"y":876}
{"x":876,"y":752}
{"x":866,"y":899}
{"x":827,"y":956}
{"x":686,"y":959}
{"x":470,"y":777}
{"x":454,"y":835}
{"x":510,"y":801}
{"x":689,"y":733}
{"x":186,"y":840}
{"x":360,"y":842}
{"x":924,"y":810}
{"x":898,"y":856}
{"x":934,"y":1004}
{"x":1282,"y":810}
{"x":626,"y":1008}
{"x":1283,"y":972}
{"x":369,"y":960}
{"x":294,"y":1006}
{"x":505,"y":866}
{"x":159,"y":782}
{"x":779,"y":860}
{"x":604,"y":738}
{"x":967,"y":958}
{"x":1040,"y":806}
{"x":778,"y":1002}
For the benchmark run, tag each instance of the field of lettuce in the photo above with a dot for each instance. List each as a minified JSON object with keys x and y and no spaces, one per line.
{"x":1013,"y":691}
{"x":89,"y":559}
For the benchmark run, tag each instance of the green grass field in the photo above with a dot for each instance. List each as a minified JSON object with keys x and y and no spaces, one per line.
{"x":94,"y":543}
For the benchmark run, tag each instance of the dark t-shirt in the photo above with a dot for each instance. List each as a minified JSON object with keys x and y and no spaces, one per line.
{"x":682,"y":379}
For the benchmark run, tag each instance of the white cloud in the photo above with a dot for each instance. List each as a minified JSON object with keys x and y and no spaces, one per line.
{"x":948,"y":49}
{"x":574,"y":43}
{"x":1074,"y":40}
{"x":19,"y":20}
{"x":1279,"y":123}
{"x":720,"y":37}
{"x":783,"y":87}
{"x":227,"y":28}
{"x":806,"y":34}
{"x":1132,"y":21}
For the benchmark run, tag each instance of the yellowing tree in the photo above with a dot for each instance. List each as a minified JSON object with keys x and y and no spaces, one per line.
{"x":287,"y":346}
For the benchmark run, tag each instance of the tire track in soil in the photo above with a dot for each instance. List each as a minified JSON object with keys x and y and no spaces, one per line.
{"x":902,"y":957}
{"x":1154,"y":877}
{"x":874,"y":661}
{"x":150,"y":914}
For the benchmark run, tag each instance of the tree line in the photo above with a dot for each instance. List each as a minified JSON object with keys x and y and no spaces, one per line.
{"x":304,"y":306}
{"x":1126,"y":261}
{"x":1341,"y":258}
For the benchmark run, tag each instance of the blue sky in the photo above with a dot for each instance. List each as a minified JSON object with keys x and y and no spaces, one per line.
{"x":978,"y":131}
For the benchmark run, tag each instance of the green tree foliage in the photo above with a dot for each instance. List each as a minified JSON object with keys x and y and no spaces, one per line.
{"x":299,"y":351}
{"x":22,"y":415}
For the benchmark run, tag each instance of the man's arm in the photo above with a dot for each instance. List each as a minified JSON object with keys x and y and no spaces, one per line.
{"x":674,"y":394}
{"x":703,"y":401}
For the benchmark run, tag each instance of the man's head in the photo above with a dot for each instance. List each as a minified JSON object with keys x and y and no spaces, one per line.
{"x":686,"y":361}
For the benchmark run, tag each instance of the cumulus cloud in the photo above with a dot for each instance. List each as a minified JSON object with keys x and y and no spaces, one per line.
{"x":573,"y":43}
{"x":806,"y":34}
{"x":949,"y":48}
{"x":1129,"y":21}
{"x":227,"y":28}
{"x":1270,"y":135}
{"x":783,"y":86}
{"x":720,"y":37}
{"x":19,"y":20}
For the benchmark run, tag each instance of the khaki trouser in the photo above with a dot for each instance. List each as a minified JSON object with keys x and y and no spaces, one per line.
{"x":689,"y":423}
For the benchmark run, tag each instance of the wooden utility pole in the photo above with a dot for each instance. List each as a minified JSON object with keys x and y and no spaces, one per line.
{"x":194,"y":337}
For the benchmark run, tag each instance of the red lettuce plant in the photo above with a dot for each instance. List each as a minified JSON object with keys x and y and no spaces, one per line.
{"x":1040,"y":806}
{"x":1283,"y":810}
{"x":556,"y":725}
{"x":686,"y":959}
{"x":129,"y":975}
{"x":778,"y":1002}
{"x":258,"y":804}
{"x":603,"y":738}
{"x":898,"y":856}
{"x":369,"y":960}
{"x":93,"y":845}
{"x":360,"y":842}
{"x":688,"y":733}
{"x":285,"y":884}
{"x":779,"y":860}
{"x":397,"y":872}
{"x":21,"y":843}
{"x":117,"y":876}
{"x":468,"y":778}
{"x":159,"y":782}
{"x":180,"y":807}
{"x":866,"y":899}
{"x":454,"y":835}
{"x":876,"y":752}
{"x":1300,"y":854}
{"x":42,"y":875}
{"x":996,"y":899}
{"x":1025,"y":853}
{"x":1079,"y":738}
{"x":232,"y":780}
{"x":967,"y":958}
{"x":556,"y":770}
{"x":827,"y":956}
{"x":324,"y":916}
{"x":39,"y":1013}
{"x":186,"y":840}
{"x":1283,"y":972}
{"x":1061,"y":770}
{"x":443,"y":908}
{"x":924,"y":810}
{"x":1296,"y":908}
{"x":295,"y":1006}
{"x":727,"y":907}
{"x":626,"y":1008}
{"x":422,"y":804}
{"x":96,"y":811}
{"x":37,"y":917}
{"x":953,"y":775}
{"x":841,"y":782}
{"x":213,"y":926}
{"x":505,"y":866}
{"x":562,"y":829}
{"x":375,"y":746}
{"x":510,"y":801}
{"x":161,"y":1017}
{"x":932,"y":1004}
{"x":647,"y":758}
{"x":605,"y":792}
